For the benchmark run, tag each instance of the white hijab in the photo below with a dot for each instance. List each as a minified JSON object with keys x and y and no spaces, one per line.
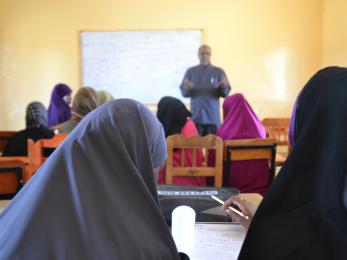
{"x":96,"y":196}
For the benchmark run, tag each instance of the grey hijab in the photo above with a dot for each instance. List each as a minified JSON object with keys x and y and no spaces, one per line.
{"x":96,"y":196}
{"x":36,"y":115}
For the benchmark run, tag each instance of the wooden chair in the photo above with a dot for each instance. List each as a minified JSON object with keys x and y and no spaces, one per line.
{"x":4,"y":137}
{"x":250,"y":149}
{"x":11,"y":177}
{"x":36,"y":150}
{"x":194,"y":143}
{"x":279,"y":128}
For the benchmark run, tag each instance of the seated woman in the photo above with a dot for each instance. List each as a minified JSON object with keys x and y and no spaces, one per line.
{"x":36,"y":129}
{"x":85,"y":100}
{"x":240,"y":122}
{"x":59,"y":109}
{"x":174,"y":117}
{"x":304,"y":213}
{"x":104,"y":97}
{"x":96,"y":196}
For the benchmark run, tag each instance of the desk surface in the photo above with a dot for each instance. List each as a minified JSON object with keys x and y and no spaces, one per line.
{"x":3,"y":204}
{"x":212,"y":241}
{"x":217,"y":241}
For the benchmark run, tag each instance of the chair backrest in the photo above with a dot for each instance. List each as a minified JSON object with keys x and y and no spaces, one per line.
{"x":277,"y":128}
{"x":4,"y":137}
{"x":36,"y":149}
{"x":11,"y":177}
{"x":251,"y":149}
{"x":193,"y":144}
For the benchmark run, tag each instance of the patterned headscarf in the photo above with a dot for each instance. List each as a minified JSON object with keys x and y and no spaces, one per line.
{"x":85,"y":100}
{"x":104,"y":97}
{"x":36,"y":115}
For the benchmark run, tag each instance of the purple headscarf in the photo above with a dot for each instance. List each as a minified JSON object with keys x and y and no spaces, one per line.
{"x":292,"y":125}
{"x":59,"y":111}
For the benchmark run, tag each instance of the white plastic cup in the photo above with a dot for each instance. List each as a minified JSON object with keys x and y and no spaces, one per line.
{"x":183,"y":226}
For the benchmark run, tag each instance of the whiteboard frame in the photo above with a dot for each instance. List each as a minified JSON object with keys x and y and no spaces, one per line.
{"x":203,"y":41}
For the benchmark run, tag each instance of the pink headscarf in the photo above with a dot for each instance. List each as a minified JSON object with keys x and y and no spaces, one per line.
{"x":240,"y":122}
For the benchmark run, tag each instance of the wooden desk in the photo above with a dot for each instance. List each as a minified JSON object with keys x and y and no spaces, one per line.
{"x":28,"y":170}
{"x":221,"y":239}
{"x":211,"y":239}
{"x":19,"y":158}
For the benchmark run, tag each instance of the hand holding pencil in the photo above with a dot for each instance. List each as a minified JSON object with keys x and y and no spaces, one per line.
{"x":244,"y":206}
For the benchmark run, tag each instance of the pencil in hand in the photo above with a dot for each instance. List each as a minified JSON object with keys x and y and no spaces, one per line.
{"x":231,"y":208}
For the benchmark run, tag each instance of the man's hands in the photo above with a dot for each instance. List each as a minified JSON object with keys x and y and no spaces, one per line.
{"x":188,"y":85}
{"x":223,"y":83}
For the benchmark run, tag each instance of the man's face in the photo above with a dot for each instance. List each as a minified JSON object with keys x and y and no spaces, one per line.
{"x":205,"y":55}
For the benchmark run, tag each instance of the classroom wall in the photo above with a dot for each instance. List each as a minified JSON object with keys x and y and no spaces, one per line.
{"x":268,"y":48}
{"x":334,"y":48}
{"x":2,"y":106}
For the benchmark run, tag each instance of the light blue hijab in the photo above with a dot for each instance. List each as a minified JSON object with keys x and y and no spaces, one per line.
{"x":96,"y":196}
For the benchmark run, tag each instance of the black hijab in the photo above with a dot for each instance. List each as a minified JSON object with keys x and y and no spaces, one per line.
{"x":303,"y":215}
{"x":173,"y":114}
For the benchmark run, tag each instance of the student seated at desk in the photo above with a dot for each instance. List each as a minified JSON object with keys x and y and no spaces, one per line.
{"x":96,"y":197}
{"x":59,"y":109}
{"x":85,"y":100}
{"x":240,"y":122}
{"x":36,"y":129}
{"x":175,"y":118}
{"x":304,"y":213}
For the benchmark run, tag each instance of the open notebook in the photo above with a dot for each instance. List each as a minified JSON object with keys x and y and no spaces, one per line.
{"x":217,"y":241}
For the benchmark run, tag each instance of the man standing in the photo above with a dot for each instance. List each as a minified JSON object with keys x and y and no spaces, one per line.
{"x":205,"y":84}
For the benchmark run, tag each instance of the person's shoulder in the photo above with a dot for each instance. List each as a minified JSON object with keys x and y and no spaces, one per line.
{"x":58,"y":126}
{"x":189,"y":128}
{"x":16,"y":145}
{"x":46,"y":132}
{"x":194,"y":68}
{"x":219,"y":69}
{"x":66,"y":127}
{"x":21,"y":134}
{"x":37,"y":133}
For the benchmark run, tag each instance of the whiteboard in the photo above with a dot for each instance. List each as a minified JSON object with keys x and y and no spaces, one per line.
{"x":142,"y":65}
